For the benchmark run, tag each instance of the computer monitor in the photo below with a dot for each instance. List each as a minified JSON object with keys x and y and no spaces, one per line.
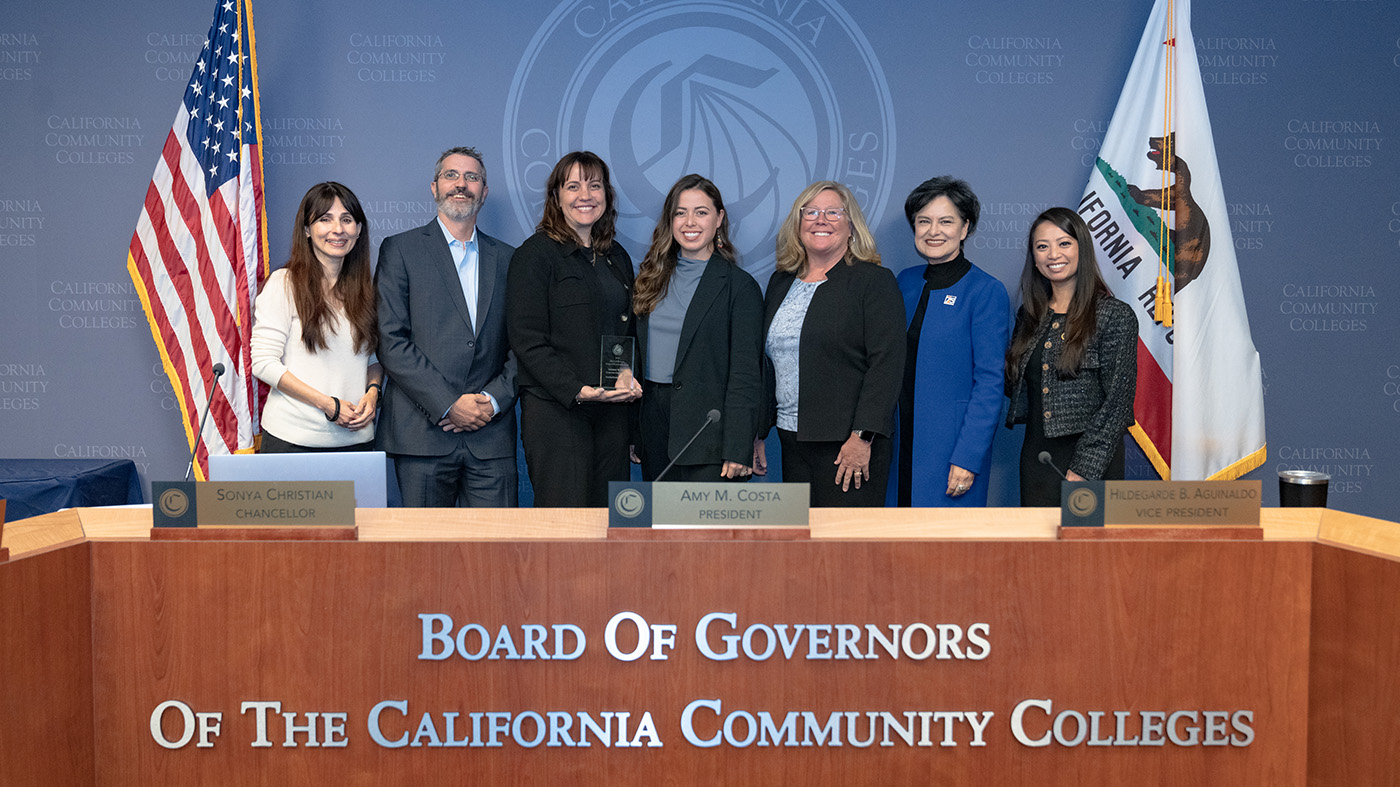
{"x":368,"y":469}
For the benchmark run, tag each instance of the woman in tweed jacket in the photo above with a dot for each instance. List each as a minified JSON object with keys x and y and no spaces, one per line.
{"x":1071,"y":369}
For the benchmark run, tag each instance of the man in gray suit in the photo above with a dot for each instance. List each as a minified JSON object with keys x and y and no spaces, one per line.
{"x":448,"y":415}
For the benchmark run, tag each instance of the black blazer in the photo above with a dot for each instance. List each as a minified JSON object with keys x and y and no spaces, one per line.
{"x":553,"y":315}
{"x":431,"y":352}
{"x":851,"y":353}
{"x":718,"y":366}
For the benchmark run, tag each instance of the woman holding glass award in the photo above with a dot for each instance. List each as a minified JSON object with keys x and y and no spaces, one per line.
{"x":570,"y":323}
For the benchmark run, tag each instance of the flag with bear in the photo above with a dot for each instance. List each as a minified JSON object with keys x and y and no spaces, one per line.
{"x":1157,"y":210}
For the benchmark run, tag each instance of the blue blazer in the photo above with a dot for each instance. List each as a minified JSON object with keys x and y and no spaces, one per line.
{"x":958,"y":384}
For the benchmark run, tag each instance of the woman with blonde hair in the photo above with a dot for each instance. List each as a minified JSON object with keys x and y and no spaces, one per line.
{"x":834,"y":328}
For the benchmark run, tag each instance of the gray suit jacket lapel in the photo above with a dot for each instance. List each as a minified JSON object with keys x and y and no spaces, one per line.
{"x":487,"y":268}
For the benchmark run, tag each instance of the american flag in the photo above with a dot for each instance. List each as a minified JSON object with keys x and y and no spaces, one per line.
{"x":199,"y":251}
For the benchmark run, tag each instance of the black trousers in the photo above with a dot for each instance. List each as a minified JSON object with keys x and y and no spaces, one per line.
{"x":572,"y":453}
{"x":815,"y":463}
{"x":656,"y":439}
{"x":271,"y":444}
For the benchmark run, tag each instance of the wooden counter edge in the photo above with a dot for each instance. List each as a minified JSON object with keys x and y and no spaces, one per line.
{"x":1359,"y":533}
{"x":45,"y":532}
{"x":1335,"y":528}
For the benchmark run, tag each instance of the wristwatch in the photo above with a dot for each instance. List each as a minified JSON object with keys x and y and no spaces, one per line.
{"x":865,"y":435}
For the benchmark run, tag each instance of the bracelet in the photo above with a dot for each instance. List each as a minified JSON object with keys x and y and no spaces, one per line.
{"x":375,"y":385}
{"x":337,"y":410}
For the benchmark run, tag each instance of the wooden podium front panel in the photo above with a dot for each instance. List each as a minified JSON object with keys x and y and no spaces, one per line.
{"x":46,"y":733}
{"x":1354,"y":695}
{"x":332,"y":627}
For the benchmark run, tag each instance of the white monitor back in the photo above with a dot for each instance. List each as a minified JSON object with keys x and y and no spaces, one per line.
{"x":368,"y":469}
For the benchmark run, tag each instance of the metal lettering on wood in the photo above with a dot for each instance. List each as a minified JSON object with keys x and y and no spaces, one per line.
{"x":732,"y":663}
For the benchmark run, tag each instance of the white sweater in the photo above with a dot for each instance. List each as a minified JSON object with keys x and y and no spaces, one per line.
{"x":336,"y":371}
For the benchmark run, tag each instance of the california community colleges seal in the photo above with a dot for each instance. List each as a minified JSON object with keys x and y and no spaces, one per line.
{"x":761,"y":96}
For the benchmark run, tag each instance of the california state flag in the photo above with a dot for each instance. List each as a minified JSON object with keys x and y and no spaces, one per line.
{"x":1156,"y":207}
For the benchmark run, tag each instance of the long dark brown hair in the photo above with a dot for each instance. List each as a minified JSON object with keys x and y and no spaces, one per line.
{"x":553,"y":223}
{"x":354,"y":288}
{"x":654,"y":277}
{"x":1089,"y":287}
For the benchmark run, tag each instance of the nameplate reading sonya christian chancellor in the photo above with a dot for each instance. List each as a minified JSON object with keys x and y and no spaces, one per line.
{"x":254,"y":504}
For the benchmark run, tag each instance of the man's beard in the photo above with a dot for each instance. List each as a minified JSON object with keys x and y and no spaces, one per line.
{"x":456,"y":211}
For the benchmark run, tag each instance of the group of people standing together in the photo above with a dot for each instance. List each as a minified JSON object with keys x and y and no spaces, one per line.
{"x":883,"y":389}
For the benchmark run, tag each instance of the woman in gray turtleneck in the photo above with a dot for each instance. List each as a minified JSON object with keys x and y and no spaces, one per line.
{"x":701,"y":335}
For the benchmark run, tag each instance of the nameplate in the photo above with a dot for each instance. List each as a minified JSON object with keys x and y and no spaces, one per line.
{"x":670,"y":504}
{"x":1159,"y":503}
{"x":1182,"y":503}
{"x":253,"y":503}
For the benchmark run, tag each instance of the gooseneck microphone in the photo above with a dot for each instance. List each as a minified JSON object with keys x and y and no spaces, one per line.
{"x":1045,"y":460}
{"x":711,"y":417}
{"x":199,"y":435}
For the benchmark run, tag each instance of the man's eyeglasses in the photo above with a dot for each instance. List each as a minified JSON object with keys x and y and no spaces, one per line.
{"x":452,"y":175}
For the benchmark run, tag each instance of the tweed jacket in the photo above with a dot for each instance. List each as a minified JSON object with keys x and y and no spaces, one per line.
{"x":1098,"y":403}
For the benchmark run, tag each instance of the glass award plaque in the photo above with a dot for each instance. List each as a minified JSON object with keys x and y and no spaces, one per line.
{"x":617,"y":359}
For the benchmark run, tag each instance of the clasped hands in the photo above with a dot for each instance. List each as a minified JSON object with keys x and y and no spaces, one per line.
{"x":469,"y":413}
{"x":353,"y":415}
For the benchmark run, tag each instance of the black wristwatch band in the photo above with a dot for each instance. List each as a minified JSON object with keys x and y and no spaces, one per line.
{"x":865,"y":435}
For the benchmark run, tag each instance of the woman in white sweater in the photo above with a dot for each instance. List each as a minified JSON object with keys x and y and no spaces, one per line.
{"x":314,"y":334}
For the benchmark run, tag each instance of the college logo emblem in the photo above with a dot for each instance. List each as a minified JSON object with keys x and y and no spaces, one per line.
{"x":1083,"y":502}
{"x":174,"y":503}
{"x":762,"y":100}
{"x":630,"y":503}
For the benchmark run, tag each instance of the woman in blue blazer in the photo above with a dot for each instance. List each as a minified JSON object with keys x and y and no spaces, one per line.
{"x":959,"y":320}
